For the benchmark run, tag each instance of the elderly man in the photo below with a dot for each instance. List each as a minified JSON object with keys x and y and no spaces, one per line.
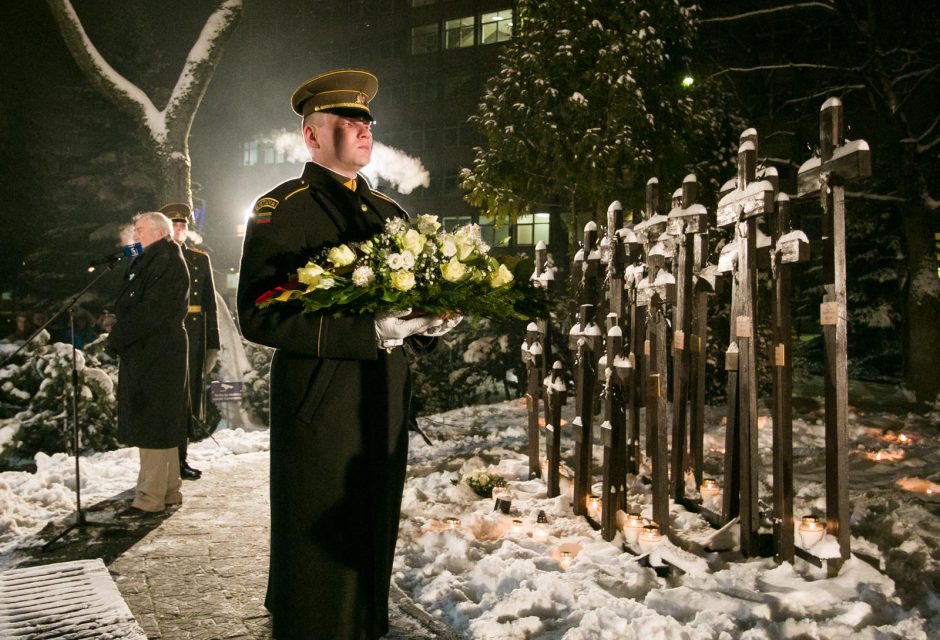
{"x":340,"y":389}
{"x":153,"y":397}
{"x":202,"y":323}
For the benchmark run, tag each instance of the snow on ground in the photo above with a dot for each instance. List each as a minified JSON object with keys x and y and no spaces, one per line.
{"x":487,"y":580}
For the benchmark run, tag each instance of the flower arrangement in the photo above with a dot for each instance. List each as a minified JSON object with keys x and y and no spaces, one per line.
{"x":414,"y":266}
{"x":482,"y":482}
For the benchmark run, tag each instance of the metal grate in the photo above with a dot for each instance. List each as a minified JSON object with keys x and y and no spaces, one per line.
{"x":67,"y":600}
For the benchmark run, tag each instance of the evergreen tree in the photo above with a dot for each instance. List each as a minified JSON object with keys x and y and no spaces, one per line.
{"x":588,"y":103}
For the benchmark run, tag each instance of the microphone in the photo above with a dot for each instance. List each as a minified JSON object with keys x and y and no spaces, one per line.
{"x":127,"y":251}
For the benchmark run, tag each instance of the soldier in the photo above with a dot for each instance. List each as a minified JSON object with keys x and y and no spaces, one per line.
{"x":202,"y":324}
{"x":340,"y":390}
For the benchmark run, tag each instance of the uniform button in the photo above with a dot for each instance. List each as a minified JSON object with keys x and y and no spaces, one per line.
{"x":364,"y":207}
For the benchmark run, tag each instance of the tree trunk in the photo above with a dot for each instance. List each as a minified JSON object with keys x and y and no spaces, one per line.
{"x":922,"y":301}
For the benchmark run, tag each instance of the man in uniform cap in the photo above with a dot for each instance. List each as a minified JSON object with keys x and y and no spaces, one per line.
{"x":340,"y":387}
{"x":202,"y":324}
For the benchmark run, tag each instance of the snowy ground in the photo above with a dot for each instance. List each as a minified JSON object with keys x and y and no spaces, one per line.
{"x":488,"y":581}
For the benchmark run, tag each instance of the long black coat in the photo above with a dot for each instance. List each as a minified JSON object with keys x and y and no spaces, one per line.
{"x":202,"y":323}
{"x":153,"y":397}
{"x":339,"y":414}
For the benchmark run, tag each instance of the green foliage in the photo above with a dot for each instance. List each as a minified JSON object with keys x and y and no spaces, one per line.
{"x":588,"y":104}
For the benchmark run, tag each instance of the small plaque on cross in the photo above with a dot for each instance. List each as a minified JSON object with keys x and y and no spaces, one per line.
{"x":695,"y":343}
{"x":653,"y":386}
{"x":646,"y":348}
{"x":742,"y":327}
{"x":829,"y":313}
{"x":780,"y":355}
{"x":731,"y":360}
{"x":678,"y":340}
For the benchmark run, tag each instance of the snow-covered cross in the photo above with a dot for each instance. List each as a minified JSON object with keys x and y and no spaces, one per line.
{"x":742,"y":201}
{"x":584,"y":341}
{"x":556,"y":394}
{"x":838,"y":162}
{"x":615,"y":371}
{"x":532,"y":357}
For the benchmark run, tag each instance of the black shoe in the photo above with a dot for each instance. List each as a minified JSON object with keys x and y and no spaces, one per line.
{"x":188,"y":473}
{"x":135,"y":513}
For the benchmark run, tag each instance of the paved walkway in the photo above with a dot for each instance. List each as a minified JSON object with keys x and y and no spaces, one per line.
{"x":200,"y":573}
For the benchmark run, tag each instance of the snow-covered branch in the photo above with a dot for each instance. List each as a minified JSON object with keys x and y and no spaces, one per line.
{"x":790,"y":65}
{"x":799,"y":6}
{"x":825,"y":93}
{"x":875,"y":197}
{"x":106,"y":78}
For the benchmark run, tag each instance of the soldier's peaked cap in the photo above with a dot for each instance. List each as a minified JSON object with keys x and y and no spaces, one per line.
{"x":178,"y":212}
{"x":343,"y":91}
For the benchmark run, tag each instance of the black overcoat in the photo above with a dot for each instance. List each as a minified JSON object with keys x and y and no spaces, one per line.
{"x":202,"y":323}
{"x":339,"y":413}
{"x":153,"y":396}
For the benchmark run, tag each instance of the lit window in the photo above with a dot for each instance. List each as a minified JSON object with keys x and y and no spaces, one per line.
{"x":268,"y":154}
{"x":496,"y":26}
{"x":452,"y":222}
{"x":491,"y":235}
{"x":531,"y":228}
{"x":458,"y":33}
{"x":250,"y":154}
{"x":425,"y":39}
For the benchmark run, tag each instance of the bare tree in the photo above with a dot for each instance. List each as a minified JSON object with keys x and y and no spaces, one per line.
{"x":167,"y":129}
{"x":884,"y":59}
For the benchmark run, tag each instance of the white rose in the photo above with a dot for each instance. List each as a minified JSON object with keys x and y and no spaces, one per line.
{"x":395,"y":261}
{"x":403,"y":280}
{"x":413,"y":241}
{"x":341,"y":256}
{"x":448,"y":247}
{"x":428,"y":224}
{"x":310,"y":275}
{"x":501,"y":277}
{"x":408,"y":259}
{"x":454,"y":271}
{"x":363,"y":276}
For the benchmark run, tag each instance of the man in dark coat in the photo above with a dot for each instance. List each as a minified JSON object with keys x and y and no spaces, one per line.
{"x":340,"y":387}
{"x":202,"y":323}
{"x":149,"y":338}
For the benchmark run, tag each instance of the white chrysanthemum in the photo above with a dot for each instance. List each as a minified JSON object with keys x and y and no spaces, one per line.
{"x":363,"y":276}
{"x":408,"y":259}
{"x":448,"y":247}
{"x":395,"y":261}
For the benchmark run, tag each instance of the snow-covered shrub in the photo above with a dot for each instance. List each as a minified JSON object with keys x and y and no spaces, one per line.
{"x":35,"y":400}
{"x":257,"y":381}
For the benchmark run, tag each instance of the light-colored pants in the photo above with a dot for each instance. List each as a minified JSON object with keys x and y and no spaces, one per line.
{"x":158,"y":483}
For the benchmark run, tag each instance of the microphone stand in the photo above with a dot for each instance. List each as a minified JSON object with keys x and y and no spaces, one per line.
{"x":80,"y":520}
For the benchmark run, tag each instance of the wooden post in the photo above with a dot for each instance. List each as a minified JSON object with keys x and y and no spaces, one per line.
{"x":740,"y":209}
{"x":684,"y":220}
{"x":788,"y":247}
{"x":636,"y":333}
{"x":839,"y":162}
{"x":556,"y":392}
{"x":655,"y":292}
{"x":614,"y":370}
{"x":544,"y":277}
{"x":532,"y":357}
{"x":584,"y":341}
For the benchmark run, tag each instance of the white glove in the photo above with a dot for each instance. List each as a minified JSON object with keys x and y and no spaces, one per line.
{"x":392,"y":328}
{"x":445,"y":327}
{"x":212,"y":358}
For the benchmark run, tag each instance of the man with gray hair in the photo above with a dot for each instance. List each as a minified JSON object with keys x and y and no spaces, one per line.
{"x":149,"y":338}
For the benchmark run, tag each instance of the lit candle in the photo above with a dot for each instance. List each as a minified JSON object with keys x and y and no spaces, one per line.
{"x":903,"y":439}
{"x":709,"y":487}
{"x":540,"y":528}
{"x":565,"y":559}
{"x":811,"y":531}
{"x":517,"y":525}
{"x":649,"y":537}
{"x":632,"y":527}
{"x":593,"y":505}
{"x":452,"y":523}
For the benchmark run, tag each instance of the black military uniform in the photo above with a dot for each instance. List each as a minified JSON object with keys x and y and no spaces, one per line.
{"x":339,"y":411}
{"x":202,"y":325}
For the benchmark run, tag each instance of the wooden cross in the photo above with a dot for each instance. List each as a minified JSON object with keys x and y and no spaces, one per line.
{"x":739,"y":208}
{"x":838,"y":162}
{"x":532,"y":358}
{"x":655,"y":292}
{"x":788,"y":247}
{"x":584,"y":342}
{"x":636,"y":333}
{"x":686,"y":219}
{"x":556,"y":392}
{"x":702,"y":289}
{"x":544,"y":277}
{"x":615,"y":371}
